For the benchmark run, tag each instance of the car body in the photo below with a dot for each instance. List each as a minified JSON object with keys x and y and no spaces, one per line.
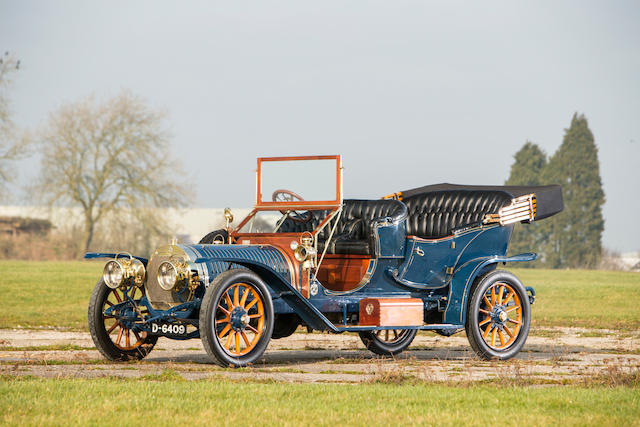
{"x":422,"y":259}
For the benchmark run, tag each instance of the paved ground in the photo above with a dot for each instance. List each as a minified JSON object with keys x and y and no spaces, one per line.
{"x":557,"y":354}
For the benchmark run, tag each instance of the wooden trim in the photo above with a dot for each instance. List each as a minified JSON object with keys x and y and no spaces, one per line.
{"x":315,"y":203}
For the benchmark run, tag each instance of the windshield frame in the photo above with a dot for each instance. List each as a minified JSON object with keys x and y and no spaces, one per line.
{"x":319,"y":204}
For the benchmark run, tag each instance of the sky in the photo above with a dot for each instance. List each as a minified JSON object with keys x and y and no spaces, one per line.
{"x":408,"y":92}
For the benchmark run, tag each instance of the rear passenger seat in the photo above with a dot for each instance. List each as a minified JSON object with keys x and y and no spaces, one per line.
{"x":429,"y":215}
{"x":437,"y":214}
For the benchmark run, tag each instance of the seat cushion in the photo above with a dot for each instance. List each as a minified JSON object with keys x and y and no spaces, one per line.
{"x":437,"y":214}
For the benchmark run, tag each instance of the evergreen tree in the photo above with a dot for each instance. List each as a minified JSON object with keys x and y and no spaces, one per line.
{"x":527,"y":169}
{"x":575,"y":235}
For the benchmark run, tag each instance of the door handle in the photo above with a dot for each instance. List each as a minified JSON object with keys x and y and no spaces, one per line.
{"x":420,"y":252}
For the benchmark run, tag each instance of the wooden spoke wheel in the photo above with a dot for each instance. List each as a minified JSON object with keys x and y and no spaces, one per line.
{"x":239,"y":319}
{"x":236,"y":318}
{"x":387,"y":342}
{"x":498,"y":316}
{"x":115,"y":338}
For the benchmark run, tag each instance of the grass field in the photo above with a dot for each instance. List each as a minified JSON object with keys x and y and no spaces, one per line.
{"x":162,"y":401}
{"x":36,"y":294}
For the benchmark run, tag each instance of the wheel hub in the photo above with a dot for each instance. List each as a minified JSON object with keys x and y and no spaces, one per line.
{"x":239,"y":318}
{"x":499,"y":316}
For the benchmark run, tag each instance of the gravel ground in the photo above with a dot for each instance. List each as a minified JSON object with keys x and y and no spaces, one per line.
{"x":552,"y":355}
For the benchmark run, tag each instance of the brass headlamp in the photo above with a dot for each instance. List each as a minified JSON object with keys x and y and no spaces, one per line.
{"x":305,"y":252}
{"x":123,"y":272}
{"x":173,"y":274}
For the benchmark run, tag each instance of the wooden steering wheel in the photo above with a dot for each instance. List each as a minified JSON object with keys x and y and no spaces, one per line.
{"x":283,"y":196}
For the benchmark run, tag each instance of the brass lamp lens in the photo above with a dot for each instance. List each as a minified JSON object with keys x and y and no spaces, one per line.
{"x":113,"y":274}
{"x":167,"y":275}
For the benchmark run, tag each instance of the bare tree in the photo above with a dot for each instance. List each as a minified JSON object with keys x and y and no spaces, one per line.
{"x":12,"y":145}
{"x":108,"y":158}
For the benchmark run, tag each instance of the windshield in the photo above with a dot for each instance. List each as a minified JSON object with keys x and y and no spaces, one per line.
{"x":299,"y":181}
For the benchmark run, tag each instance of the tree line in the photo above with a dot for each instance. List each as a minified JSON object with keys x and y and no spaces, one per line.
{"x":111,"y":157}
{"x":573,"y":238}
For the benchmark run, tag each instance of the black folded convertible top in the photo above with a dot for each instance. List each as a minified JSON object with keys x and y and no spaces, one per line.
{"x":548,"y":197}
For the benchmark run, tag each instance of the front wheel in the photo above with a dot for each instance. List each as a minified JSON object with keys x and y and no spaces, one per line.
{"x":498,"y":316}
{"x":114,"y":338}
{"x":236,"y":318}
{"x":388,"y":342}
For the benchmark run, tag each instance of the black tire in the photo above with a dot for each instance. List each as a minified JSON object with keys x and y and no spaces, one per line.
{"x":216,"y":234}
{"x":285,"y":325}
{"x":498,"y":340}
{"x":108,"y":344}
{"x":212,"y":319}
{"x":446,"y":332}
{"x":388,"y":342}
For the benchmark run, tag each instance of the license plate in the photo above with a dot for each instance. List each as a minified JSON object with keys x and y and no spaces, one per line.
{"x":174,"y":329}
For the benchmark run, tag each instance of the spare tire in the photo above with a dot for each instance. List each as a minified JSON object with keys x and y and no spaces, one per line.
{"x":215,"y":235}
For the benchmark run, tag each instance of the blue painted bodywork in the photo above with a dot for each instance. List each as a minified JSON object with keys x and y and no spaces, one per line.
{"x":440,"y":272}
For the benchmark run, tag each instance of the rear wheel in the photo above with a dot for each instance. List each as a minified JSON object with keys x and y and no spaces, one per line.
{"x":115,"y":339}
{"x":387,"y":342}
{"x":236,"y":318}
{"x":498,"y":316}
{"x":285,"y":325}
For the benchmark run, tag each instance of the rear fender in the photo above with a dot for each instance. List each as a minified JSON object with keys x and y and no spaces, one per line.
{"x":463,"y":279}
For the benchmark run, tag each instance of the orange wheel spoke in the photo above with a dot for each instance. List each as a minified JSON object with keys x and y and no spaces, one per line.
{"x":501,"y":337}
{"x":255,"y":316}
{"x":484,"y":312}
{"x":113,"y":327}
{"x":229,"y":303}
{"x":245,"y":294}
{"x":486,"y":331}
{"x":115,"y":292}
{"x":246,"y":340}
{"x":224,"y":331}
{"x":119,"y":336}
{"x":252,"y":329}
{"x":236,"y":300}
{"x":500,"y":293}
{"x":486,"y":301}
{"x":515,"y":307}
{"x":127,"y":343}
{"x":506,"y":300}
{"x":493,"y":296}
{"x":137,"y":335}
{"x":485,"y":321}
{"x":508,"y":331}
{"x":251,"y":304}
{"x":517,"y":322}
{"x":237,"y":342}
{"x":109,"y":303}
{"x":229,"y":339}
{"x":493,"y":337}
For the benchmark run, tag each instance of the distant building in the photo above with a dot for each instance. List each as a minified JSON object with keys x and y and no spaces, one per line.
{"x":189,"y":225}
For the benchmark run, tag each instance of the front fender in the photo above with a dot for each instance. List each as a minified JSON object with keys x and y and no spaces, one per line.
{"x":91,"y":255}
{"x":301,"y":306}
{"x":463,"y":278}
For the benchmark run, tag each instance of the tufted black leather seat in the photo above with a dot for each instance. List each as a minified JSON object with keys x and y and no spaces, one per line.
{"x":437,"y":214}
{"x":354,"y":233}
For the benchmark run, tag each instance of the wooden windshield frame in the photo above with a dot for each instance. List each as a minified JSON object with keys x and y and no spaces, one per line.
{"x":261,"y":205}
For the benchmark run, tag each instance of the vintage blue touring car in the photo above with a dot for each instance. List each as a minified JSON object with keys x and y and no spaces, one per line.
{"x":423,"y":259}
